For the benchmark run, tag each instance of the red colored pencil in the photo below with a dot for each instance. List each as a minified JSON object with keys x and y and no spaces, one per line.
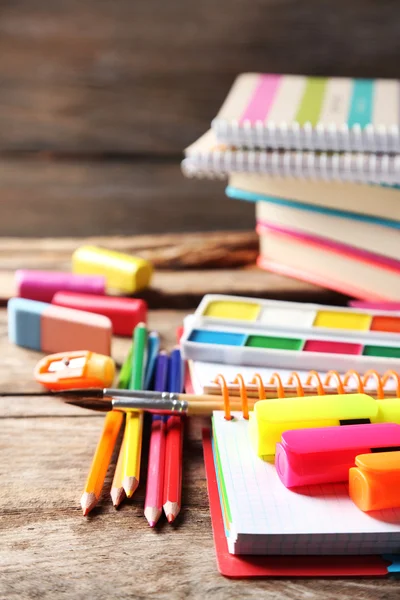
{"x":173,"y":468}
{"x":173,"y":446}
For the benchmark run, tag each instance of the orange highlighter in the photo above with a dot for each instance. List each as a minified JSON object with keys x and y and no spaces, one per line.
{"x":374,"y":484}
{"x":67,"y":370}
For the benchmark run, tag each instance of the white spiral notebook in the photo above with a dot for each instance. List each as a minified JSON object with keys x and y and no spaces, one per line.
{"x":313,"y":113}
{"x":262,"y":516}
{"x":209,"y":158}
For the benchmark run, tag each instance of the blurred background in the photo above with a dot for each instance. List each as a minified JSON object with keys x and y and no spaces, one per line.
{"x":99,"y":98}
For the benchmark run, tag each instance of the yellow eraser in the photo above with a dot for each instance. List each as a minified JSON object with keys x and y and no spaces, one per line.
{"x":270,"y":418}
{"x":123,"y":273}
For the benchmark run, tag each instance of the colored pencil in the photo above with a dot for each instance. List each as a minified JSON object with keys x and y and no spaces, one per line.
{"x":134,"y":421}
{"x":101,"y":460}
{"x":173,"y":446}
{"x":155,"y":473}
{"x":153,"y":348}
{"x":117,"y":489}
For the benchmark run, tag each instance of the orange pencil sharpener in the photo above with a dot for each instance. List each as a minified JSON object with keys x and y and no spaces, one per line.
{"x":80,"y":369}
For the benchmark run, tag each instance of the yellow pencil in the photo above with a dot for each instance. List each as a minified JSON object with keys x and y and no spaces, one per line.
{"x":101,"y":460}
{"x":134,"y":424}
{"x":132,"y":452}
{"x":117,"y":489}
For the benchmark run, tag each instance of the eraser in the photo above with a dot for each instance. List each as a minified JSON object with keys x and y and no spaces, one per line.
{"x":51,"y":329}
{"x":42,"y":285}
{"x":124,"y":313}
{"x":123,"y":273}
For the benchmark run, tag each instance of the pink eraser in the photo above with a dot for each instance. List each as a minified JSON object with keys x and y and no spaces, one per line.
{"x":65,"y":329}
{"x":375,"y":305}
{"x":42,"y":285}
{"x":124,"y":313}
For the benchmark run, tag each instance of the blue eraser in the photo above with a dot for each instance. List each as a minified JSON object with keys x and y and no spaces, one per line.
{"x":24,"y":322}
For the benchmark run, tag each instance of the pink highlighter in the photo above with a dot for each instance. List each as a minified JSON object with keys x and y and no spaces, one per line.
{"x":325,"y":454}
{"x":42,"y":285}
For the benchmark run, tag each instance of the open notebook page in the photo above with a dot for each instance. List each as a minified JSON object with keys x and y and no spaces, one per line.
{"x":264,"y":517}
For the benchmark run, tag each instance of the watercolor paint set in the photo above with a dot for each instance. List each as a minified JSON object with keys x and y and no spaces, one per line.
{"x":248,"y":331}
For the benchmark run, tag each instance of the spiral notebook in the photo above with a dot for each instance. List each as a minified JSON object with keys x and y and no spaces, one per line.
{"x":209,"y":158}
{"x":311,"y":113}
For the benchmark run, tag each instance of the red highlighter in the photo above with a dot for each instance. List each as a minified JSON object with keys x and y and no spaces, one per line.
{"x":124,"y":313}
{"x":325,"y":455}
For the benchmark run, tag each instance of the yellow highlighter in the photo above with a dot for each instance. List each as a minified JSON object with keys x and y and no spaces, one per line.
{"x":124,"y":273}
{"x":270,"y":418}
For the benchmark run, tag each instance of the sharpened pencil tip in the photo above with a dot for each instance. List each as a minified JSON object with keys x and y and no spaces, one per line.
{"x":117,"y":496}
{"x":170,"y":518}
{"x":152,"y":514}
{"x":88,"y":502}
{"x":130,"y":484}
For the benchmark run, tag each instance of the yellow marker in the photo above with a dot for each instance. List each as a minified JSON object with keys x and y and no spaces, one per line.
{"x":123,"y":273}
{"x":270,"y":418}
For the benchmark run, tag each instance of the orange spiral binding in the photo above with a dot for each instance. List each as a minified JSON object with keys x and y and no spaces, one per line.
{"x":320,"y":386}
{"x":243,"y":395}
{"x":280,"y":391}
{"x":299,"y":386}
{"x":341,"y":382}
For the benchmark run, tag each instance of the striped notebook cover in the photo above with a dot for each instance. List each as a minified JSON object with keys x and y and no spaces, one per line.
{"x":314,"y":113}
{"x":209,"y":158}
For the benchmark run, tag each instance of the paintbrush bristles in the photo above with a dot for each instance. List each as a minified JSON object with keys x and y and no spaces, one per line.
{"x":90,"y":403}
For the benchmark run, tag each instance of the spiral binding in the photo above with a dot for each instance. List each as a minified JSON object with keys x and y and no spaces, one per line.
{"x":354,"y":168}
{"x":278,"y":387}
{"x":322,"y":136}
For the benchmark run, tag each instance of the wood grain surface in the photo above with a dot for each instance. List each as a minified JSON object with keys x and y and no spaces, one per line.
{"x":48,"y":550}
{"x":146,"y":78}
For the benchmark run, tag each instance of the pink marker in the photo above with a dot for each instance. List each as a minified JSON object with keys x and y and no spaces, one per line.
{"x":42,"y":285}
{"x":325,"y":454}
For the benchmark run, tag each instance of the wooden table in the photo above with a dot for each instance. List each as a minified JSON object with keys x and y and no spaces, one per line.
{"x":48,"y":550}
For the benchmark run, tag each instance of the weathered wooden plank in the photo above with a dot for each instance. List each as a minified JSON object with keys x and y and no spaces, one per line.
{"x":52,"y":198}
{"x":148,"y":77}
{"x":50,"y":551}
{"x":197,"y":250}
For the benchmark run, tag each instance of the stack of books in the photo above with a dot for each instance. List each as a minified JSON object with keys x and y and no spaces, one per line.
{"x":320,"y":158}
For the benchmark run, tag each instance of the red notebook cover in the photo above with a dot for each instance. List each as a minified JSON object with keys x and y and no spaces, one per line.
{"x":242,"y":566}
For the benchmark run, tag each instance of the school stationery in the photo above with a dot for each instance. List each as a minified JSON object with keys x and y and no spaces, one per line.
{"x":42,"y":285}
{"x":152,"y":351}
{"x":279,"y":344}
{"x":377,"y":201}
{"x":316,"y":113}
{"x":173,"y":445}
{"x":263,"y":517}
{"x":325,"y":455}
{"x":337,"y":267}
{"x":237,"y":566}
{"x":101,"y":460}
{"x":134,"y":420}
{"x":52,"y":329}
{"x":156,"y":463}
{"x":124,"y":313}
{"x":378,"y":237}
{"x":208,"y":158}
{"x":123,"y":273}
{"x":375,"y":305}
{"x":75,"y":369}
{"x":374,"y":483}
{"x":271,"y":418}
{"x":117,"y":492}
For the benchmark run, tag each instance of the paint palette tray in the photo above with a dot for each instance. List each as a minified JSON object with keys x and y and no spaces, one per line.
{"x":247,"y":331}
